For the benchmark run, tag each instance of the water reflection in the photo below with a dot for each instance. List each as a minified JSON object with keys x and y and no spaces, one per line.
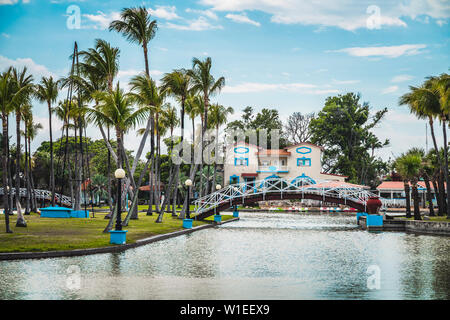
{"x":262,"y":256}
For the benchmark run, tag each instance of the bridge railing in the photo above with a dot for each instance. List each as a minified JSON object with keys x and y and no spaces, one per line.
{"x":42,"y":194}
{"x":275,"y":185}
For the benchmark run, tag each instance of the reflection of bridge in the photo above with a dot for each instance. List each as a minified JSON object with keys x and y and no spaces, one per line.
{"x":43,"y":195}
{"x":343,"y":193}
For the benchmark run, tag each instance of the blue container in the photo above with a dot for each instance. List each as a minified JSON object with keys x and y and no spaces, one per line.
{"x":235,"y":214}
{"x":187,"y":223}
{"x":118,"y":236}
{"x":374,"y":220}
{"x":217,"y":218}
{"x":61,"y":212}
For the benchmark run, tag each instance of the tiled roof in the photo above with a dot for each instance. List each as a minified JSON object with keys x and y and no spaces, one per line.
{"x":337,"y":184}
{"x":399,"y":185}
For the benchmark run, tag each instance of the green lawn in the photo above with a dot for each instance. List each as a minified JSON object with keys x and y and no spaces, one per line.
{"x":48,"y":234}
{"x":443,"y":219}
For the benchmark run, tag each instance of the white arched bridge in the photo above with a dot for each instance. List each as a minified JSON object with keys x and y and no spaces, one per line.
{"x":43,"y":195}
{"x":336,"y":192}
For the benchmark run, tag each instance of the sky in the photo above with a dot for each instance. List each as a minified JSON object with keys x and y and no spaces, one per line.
{"x":284,"y":54}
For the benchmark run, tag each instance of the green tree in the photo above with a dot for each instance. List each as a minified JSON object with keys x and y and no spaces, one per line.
{"x":342,"y":127}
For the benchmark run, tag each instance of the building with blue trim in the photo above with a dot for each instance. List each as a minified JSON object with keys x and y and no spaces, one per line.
{"x":246,"y":162}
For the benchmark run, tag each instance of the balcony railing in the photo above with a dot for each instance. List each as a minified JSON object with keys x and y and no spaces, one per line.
{"x":272,"y":168}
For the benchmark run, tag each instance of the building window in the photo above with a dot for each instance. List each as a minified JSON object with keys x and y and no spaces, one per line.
{"x":304,"y":162}
{"x":265,"y":162}
{"x":283,"y":162}
{"x":241,"y":161}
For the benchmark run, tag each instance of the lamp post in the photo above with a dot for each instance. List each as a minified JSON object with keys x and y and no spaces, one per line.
{"x":218,"y":187}
{"x":119,"y":174}
{"x":188,"y":184}
{"x":235,"y":211}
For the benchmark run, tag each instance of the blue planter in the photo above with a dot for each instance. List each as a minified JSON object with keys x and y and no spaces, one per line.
{"x":61,"y":212}
{"x":187,"y":223}
{"x":217,"y":218}
{"x":118,"y":236}
{"x":235,"y":214}
{"x":374,"y":220}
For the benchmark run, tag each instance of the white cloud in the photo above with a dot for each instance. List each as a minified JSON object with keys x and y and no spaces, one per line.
{"x":242,"y":18}
{"x":6,"y":35}
{"x":2,"y":2}
{"x":386,"y":51}
{"x":402,"y":78}
{"x":164,"y":12}
{"x":101,"y":20}
{"x":37,"y":70}
{"x":207,"y":13}
{"x":305,"y":88}
{"x":199,"y":24}
{"x":345,"y":14}
{"x":390,"y":89}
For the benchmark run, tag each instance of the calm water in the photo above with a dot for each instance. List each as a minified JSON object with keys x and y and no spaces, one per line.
{"x":262,"y":256}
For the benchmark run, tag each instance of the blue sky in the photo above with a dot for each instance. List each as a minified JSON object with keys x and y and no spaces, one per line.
{"x":284,"y":54}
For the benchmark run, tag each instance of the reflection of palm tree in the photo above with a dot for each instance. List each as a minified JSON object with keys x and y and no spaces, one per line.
{"x":47,"y":91}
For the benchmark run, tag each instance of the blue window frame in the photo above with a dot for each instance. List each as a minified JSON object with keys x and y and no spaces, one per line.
{"x":234,"y":179}
{"x":304,"y":162}
{"x":241,"y":161}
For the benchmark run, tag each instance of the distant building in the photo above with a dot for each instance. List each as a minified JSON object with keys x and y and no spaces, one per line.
{"x":301,"y":162}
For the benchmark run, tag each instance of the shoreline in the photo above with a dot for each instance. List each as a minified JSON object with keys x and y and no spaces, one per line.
{"x":110,"y":249}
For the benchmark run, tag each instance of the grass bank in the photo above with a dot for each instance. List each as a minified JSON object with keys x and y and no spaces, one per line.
{"x":50,"y":234}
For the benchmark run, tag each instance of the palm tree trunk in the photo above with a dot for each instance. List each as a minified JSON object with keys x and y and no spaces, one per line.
{"x":52,"y":170}
{"x":152,"y":157}
{"x":408,"y":199}
{"x":27,"y":177}
{"x":109,"y":179}
{"x":4,"y":156}
{"x":441,"y":204}
{"x":430,"y":199}
{"x":436,"y":194}
{"x":444,"y":128}
{"x":20,"y":219}
{"x":33,"y":193}
{"x":415,"y":195}
{"x":442,"y":192}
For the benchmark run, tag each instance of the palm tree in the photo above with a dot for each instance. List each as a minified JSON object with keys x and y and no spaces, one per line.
{"x":147,"y":95}
{"x":408,"y":166}
{"x":23,"y":82}
{"x":115,"y":109}
{"x":441,"y":87}
{"x":218,"y":116}
{"x":137,"y":26}
{"x":424,"y":103}
{"x":99,"y":184}
{"x":177,"y":84}
{"x":100,"y":66}
{"x":204,"y":82}
{"x":47,"y":91}
{"x":170,"y":121}
{"x":32,"y":129}
{"x":8,"y":97}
